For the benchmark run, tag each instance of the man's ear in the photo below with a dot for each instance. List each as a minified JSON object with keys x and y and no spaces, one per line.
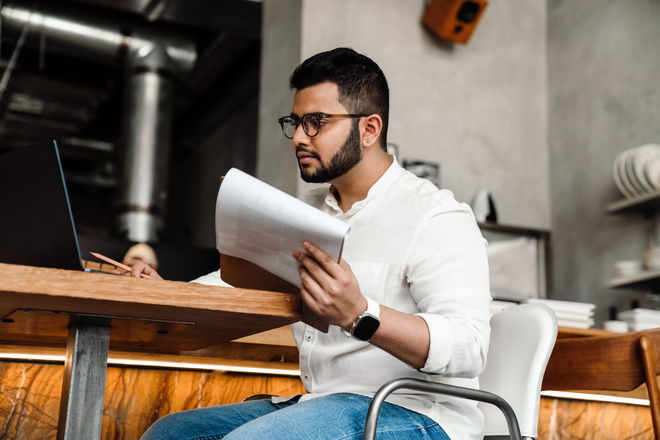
{"x":372,"y":124}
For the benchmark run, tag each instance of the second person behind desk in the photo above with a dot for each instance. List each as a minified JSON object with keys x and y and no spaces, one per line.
{"x":141,"y":252}
{"x":410,"y":297}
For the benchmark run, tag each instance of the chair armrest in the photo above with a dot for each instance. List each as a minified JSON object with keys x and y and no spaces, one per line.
{"x":439,"y":388}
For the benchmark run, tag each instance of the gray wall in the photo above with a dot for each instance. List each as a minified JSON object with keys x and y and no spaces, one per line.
{"x":535,"y":108}
{"x":479,"y":110}
{"x":280,"y":54}
{"x":604,"y":88}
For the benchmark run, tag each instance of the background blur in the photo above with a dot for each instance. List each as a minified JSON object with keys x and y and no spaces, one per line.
{"x":534,"y":108}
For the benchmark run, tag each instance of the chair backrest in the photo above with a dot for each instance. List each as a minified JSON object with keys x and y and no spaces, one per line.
{"x":522,"y":338}
{"x":619,"y":362}
{"x":599,"y":362}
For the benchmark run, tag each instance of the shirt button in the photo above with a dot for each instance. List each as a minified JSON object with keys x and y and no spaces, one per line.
{"x":309,"y":337}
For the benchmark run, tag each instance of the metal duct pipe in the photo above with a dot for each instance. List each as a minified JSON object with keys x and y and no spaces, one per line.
{"x":67,"y":33}
{"x":154,"y":61}
{"x":146,"y":131}
{"x":81,"y":34}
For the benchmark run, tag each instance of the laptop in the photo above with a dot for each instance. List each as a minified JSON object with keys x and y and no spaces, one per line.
{"x":37,"y":227}
{"x":36,"y":223}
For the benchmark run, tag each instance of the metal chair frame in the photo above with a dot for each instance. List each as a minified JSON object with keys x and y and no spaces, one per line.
{"x":522,"y":339}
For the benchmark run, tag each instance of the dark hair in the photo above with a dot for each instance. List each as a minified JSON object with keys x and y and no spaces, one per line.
{"x":362,"y":85}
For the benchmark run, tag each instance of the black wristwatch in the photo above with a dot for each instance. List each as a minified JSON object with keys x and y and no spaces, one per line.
{"x":367,"y":323}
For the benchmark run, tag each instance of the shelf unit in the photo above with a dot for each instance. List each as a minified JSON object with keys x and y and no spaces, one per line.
{"x":649,"y":206}
{"x":647,"y":280}
{"x":542,"y":239}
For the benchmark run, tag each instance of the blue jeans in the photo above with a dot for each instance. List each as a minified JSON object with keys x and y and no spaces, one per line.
{"x":337,"y":417}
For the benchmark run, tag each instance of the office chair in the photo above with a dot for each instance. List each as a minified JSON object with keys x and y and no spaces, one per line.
{"x":620,"y":362}
{"x":521,"y":341}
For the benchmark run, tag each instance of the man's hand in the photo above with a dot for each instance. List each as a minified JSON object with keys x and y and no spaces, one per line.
{"x":329,"y":289}
{"x":140,"y":267}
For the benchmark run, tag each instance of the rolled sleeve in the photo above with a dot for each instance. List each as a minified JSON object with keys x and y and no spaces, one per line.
{"x":439,"y":350}
{"x":449,"y":281}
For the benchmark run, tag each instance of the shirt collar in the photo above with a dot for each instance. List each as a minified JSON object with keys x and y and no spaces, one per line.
{"x":381,"y":184}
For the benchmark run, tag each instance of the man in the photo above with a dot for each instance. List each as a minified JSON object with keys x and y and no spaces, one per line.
{"x":410,"y":296}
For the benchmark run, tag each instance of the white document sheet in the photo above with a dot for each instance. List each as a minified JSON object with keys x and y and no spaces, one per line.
{"x":264,"y":225}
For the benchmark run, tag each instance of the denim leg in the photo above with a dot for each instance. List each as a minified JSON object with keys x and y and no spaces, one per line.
{"x":338,"y":417}
{"x":334,"y":417}
{"x":210,"y":423}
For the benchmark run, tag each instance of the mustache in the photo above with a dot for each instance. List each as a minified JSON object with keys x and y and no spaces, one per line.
{"x":310,"y":152}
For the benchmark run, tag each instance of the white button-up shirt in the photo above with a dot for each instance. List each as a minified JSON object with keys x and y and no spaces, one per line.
{"x":415,"y":249}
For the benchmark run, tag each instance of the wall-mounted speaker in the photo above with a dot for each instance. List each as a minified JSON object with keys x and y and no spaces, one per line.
{"x":453,"y":20}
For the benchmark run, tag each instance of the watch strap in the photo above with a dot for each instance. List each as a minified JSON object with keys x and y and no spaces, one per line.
{"x":373,"y":310}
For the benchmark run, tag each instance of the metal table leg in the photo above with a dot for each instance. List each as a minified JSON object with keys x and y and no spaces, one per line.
{"x":83,"y":388}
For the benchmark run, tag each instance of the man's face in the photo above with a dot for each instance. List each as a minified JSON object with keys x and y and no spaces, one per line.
{"x":335,"y":150}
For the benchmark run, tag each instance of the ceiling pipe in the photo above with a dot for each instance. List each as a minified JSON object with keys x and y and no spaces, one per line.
{"x":154,"y":61}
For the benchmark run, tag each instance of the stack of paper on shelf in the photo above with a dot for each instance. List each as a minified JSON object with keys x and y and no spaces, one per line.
{"x":569,"y":313}
{"x":640,"y":319}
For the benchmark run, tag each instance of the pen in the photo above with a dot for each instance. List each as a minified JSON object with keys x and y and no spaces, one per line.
{"x":118,"y":264}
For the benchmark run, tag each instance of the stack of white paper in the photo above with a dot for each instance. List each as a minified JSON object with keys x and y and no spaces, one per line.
{"x":569,"y":313}
{"x":640,"y":319}
{"x":264,"y":225}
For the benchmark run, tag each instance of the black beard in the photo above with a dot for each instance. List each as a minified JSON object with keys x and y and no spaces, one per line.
{"x":341,"y":163}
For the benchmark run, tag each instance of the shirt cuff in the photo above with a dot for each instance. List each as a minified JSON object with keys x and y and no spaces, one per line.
{"x":440,"y":337}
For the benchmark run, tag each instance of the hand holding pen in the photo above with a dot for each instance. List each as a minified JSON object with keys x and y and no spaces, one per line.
{"x":139,"y":269}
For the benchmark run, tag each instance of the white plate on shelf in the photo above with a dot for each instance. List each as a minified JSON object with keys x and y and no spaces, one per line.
{"x":641,"y":156}
{"x":623,"y":174}
{"x":638,"y":188}
{"x":652,"y":166}
{"x":626,"y":268}
{"x":617,"y":176}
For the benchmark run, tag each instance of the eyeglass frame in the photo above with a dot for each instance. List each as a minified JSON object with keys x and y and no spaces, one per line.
{"x":319,"y":116}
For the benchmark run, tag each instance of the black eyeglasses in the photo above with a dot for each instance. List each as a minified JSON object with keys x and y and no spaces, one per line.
{"x":311,"y":122}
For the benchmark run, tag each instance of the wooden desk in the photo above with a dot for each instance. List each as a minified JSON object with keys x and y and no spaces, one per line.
{"x":106,"y":311}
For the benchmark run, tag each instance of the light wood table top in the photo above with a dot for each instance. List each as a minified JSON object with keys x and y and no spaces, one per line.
{"x":149,"y":315}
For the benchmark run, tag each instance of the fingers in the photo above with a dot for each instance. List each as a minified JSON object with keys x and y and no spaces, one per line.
{"x":323,"y":259}
{"x":323,"y":268}
{"x":318,"y":263}
{"x":312,"y":272}
{"x":329,"y":288}
{"x":140,"y":267}
{"x":307,"y":264}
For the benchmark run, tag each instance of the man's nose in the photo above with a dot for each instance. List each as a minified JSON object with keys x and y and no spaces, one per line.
{"x":300,"y":137}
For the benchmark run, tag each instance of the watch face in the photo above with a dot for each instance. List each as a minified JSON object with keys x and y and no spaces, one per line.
{"x":366,"y":327}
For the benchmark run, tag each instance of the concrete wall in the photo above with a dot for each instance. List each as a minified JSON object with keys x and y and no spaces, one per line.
{"x":604,"y":90}
{"x":535,"y":108}
{"x":479,"y":110}
{"x":280,"y":54}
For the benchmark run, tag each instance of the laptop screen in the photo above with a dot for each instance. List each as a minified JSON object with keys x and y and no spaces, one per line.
{"x":36,"y":224}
